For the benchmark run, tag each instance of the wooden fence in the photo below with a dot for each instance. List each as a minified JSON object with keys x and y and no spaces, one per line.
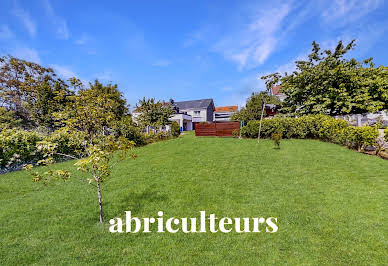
{"x":220,"y":129}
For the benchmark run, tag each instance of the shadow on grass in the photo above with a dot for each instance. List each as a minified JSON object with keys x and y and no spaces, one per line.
{"x":135,"y":201}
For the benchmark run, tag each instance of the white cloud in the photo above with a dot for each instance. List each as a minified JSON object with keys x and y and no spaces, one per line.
{"x":341,"y":12}
{"x":63,"y":71}
{"x":161,"y":63}
{"x":24,"y":17}
{"x":28,"y":54}
{"x":82,"y":40}
{"x":60,"y":23}
{"x":258,"y":39}
{"x":5,"y":32}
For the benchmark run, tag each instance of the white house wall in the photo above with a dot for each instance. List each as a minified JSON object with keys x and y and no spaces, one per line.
{"x":202,"y":117}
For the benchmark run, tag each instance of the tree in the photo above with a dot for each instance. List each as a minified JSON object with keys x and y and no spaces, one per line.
{"x":329,"y":83}
{"x":8,"y":119}
{"x":253,"y":107}
{"x":98,"y":163}
{"x":93,"y":111}
{"x":153,"y":113}
{"x":31,"y":91}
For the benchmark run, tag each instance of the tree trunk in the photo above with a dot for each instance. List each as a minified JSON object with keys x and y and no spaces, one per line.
{"x":99,"y":199}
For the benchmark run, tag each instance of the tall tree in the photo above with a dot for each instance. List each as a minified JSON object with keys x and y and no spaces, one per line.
{"x":31,"y":91}
{"x":329,"y":83}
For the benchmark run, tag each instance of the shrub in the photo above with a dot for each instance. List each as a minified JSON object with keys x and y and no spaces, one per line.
{"x":235,"y":133}
{"x":175,"y":129}
{"x":18,"y":146}
{"x":276,"y":137}
{"x":320,"y":127}
{"x":73,"y":143}
{"x":125,"y":128}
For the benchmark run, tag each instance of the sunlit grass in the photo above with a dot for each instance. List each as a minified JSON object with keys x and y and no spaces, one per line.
{"x":331,"y":205}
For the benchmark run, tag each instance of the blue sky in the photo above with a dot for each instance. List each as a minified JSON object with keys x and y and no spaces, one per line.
{"x":186,"y":49}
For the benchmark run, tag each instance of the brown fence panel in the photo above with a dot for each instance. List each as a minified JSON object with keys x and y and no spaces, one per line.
{"x":203,"y":129}
{"x":221,"y":129}
{"x":226,"y":129}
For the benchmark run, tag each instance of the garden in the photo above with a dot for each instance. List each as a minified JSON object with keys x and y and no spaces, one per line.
{"x":330,"y":202}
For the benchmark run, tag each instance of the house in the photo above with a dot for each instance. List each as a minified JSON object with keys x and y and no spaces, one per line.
{"x":188,"y":113}
{"x":224,"y":113}
{"x":184,"y":121}
{"x":276,"y":91}
{"x":199,"y":111}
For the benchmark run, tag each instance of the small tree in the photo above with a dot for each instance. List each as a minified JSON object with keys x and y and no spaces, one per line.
{"x":276,"y":137}
{"x":91,"y":111}
{"x":153,"y":113}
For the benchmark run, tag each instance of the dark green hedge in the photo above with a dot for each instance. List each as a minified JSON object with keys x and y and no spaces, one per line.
{"x":320,"y":127}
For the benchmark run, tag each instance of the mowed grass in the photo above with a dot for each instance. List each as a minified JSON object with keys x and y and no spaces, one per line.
{"x":331,"y":204}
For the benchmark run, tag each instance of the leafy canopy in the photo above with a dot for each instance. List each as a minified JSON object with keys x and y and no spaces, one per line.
{"x":329,"y":83}
{"x":153,"y":113}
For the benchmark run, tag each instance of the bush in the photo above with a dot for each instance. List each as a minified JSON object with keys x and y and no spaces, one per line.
{"x":320,"y":127}
{"x":18,"y":146}
{"x":235,"y":133}
{"x":73,"y":143}
{"x":125,"y":128}
{"x":276,"y":137}
{"x":175,"y":129}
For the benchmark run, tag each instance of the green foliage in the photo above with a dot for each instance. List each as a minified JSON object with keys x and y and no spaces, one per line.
{"x":153,"y":136}
{"x":235,"y":133}
{"x":175,"y":129}
{"x":153,"y":113}
{"x":18,"y":146}
{"x":8,"y":119}
{"x":320,"y":127}
{"x":253,"y":107}
{"x":276,"y":137}
{"x":33,"y":92}
{"x":127,"y":129}
{"x":69,"y":144}
{"x":328,"y":83}
{"x":386,"y":134}
{"x":94,"y":110}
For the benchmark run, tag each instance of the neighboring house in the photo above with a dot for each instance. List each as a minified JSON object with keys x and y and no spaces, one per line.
{"x":184,"y":121}
{"x":199,"y":110}
{"x":187,"y":113}
{"x":276,"y":91}
{"x":224,"y":113}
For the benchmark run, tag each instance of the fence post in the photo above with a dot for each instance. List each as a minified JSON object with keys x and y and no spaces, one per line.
{"x":261,"y":118}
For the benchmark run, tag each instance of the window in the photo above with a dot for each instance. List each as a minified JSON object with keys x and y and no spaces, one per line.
{"x":197,"y":112}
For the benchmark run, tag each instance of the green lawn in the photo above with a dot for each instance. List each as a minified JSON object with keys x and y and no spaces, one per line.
{"x":331,"y":204}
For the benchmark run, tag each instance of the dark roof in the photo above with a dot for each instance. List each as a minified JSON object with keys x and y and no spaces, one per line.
{"x":199,"y":104}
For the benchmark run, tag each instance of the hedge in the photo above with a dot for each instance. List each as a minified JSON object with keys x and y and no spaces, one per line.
{"x":320,"y":127}
{"x":18,"y":146}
